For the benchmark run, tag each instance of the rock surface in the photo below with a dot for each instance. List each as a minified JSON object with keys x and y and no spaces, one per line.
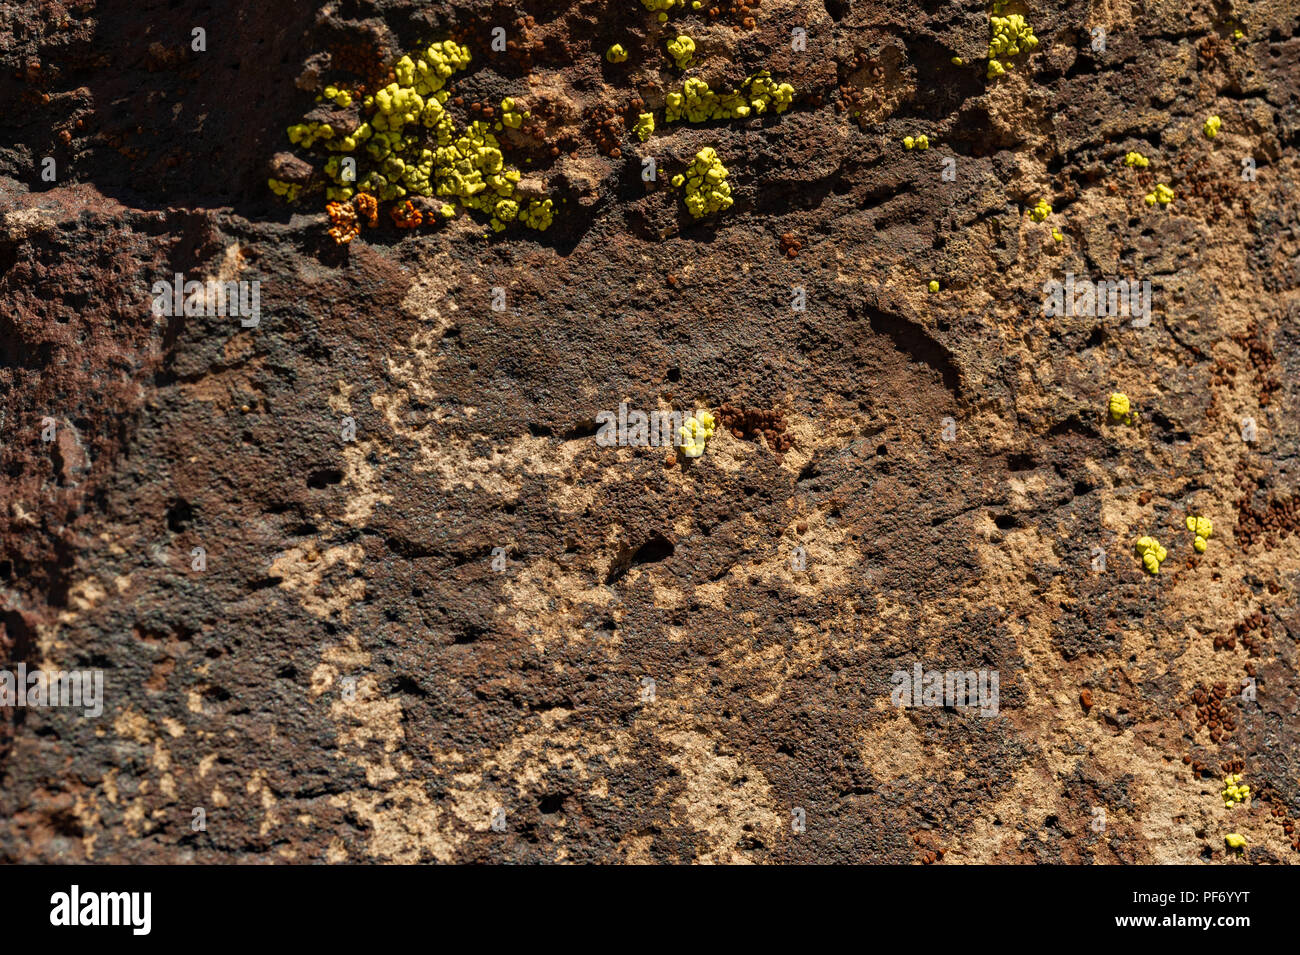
{"x":474,"y":634}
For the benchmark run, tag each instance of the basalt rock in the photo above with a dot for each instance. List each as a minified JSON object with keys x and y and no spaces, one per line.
{"x":363,"y":586}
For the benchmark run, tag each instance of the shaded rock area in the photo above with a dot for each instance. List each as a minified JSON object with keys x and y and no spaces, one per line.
{"x":364,"y":586}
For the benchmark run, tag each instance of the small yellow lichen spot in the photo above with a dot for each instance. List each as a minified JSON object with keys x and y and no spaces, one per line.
{"x":958,"y":61}
{"x":1041,"y":211}
{"x":1136,"y":159}
{"x":289,"y":191}
{"x":1153,"y":555}
{"x":933,"y":286}
{"x":1202,"y":529}
{"x":645,"y":125}
{"x":1212,"y":126}
{"x":1235,"y":841}
{"x":695,"y":433}
{"x":616,"y":53}
{"x":1162,"y":194}
{"x":338,"y":96}
{"x":1120,"y":408}
{"x":511,"y":117}
{"x":1057,"y":234}
{"x":1234,"y":791}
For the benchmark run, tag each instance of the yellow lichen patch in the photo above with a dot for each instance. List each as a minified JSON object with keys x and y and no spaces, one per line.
{"x":706,"y":185}
{"x":1041,"y":210}
{"x":1235,"y":841}
{"x":616,"y":53}
{"x":916,"y":142}
{"x":682,"y":50}
{"x":645,"y":125}
{"x":1136,"y":160}
{"x":402,"y":142}
{"x":1212,"y":126}
{"x":1011,"y":36}
{"x":511,"y":116}
{"x":1202,"y":529}
{"x":1161,"y":194}
{"x":288,"y":191}
{"x":1152,"y":554}
{"x":338,"y":95}
{"x":1120,"y":409}
{"x":695,"y":433}
{"x":1234,"y":791}
{"x":661,"y":7}
{"x":696,"y":103}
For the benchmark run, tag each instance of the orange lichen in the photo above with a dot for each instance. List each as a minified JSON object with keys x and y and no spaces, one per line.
{"x":368,"y":206}
{"x":406,"y":216}
{"x":345,"y":227}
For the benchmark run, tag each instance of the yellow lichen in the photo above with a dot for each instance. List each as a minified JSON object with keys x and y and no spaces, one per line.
{"x":706,"y":185}
{"x":1011,"y":36}
{"x":407,"y":144}
{"x":695,"y":433}
{"x":1234,"y":792}
{"x":1120,"y":408}
{"x":1152,"y":554}
{"x":1161,"y":194}
{"x":1041,"y":210}
{"x":1136,"y":159}
{"x":288,"y":191}
{"x":338,"y":96}
{"x":1201,"y":529}
{"x":616,"y":53}
{"x":696,"y":103}
{"x":512,"y":118}
{"x":1212,"y":126}
{"x":660,"y":8}
{"x":682,"y":50}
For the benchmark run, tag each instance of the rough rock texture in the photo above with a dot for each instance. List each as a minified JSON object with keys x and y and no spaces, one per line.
{"x":351,"y":678}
